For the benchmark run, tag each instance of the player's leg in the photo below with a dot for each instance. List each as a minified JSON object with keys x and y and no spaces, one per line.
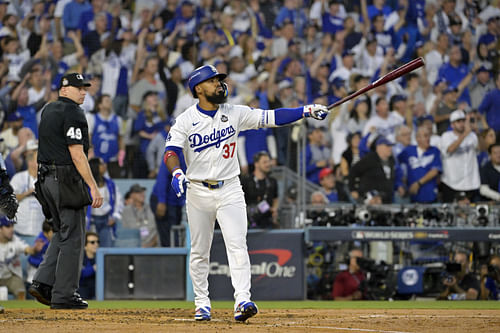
{"x":232,"y":219}
{"x":200,"y":210}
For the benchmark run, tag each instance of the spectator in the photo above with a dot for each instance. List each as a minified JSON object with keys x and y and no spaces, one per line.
{"x":147,"y":83}
{"x":490,"y":279}
{"x":332,"y":20}
{"x":422,"y":164}
{"x":104,"y":218}
{"x":166,"y":206}
{"x":73,"y":12}
{"x":15,"y":57}
{"x":383,"y":122}
{"x":455,"y":72}
{"x":15,"y":160}
{"x":63,"y":62}
{"x":487,"y":137}
{"x":483,"y":85}
{"x":292,"y":11}
{"x":345,"y":69}
{"x":35,"y":259}
{"x":403,"y":140}
{"x":98,"y":37}
{"x":89,"y":268}
{"x":444,"y":109}
{"x":462,"y":285}
{"x":459,"y":155}
{"x":87,"y":23}
{"x":138,"y":215}
{"x":29,"y":214}
{"x":348,"y":283}
{"x":333,"y":190}
{"x":375,"y":171}
{"x":317,"y":154}
{"x":106,"y":133}
{"x":149,"y":121}
{"x":489,"y":106}
{"x":11,"y":274}
{"x":10,"y":133}
{"x":28,"y":106}
{"x":261,"y":194}
{"x":490,"y":174}
{"x":436,"y":57}
{"x":351,"y":155}
{"x":156,"y":148}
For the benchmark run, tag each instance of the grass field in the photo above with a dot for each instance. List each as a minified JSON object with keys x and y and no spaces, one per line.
{"x":473,"y":305}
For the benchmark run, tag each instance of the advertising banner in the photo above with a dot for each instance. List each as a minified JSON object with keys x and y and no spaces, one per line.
{"x":277,"y":259}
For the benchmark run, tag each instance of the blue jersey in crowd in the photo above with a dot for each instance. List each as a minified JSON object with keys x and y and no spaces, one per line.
{"x":36,"y":259}
{"x":455,"y":74}
{"x":417,"y":167}
{"x":29,"y":115}
{"x":105,"y":137}
{"x":489,"y":106}
{"x":255,"y":141}
{"x":141,"y":123}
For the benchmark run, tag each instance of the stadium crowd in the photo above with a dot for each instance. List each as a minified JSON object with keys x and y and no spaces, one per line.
{"x":430,"y":136}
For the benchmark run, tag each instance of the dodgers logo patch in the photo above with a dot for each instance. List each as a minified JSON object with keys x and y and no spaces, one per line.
{"x":224,"y":118}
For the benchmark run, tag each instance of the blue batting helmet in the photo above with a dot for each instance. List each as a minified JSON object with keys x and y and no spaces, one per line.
{"x":5,"y":222}
{"x":201,"y":74}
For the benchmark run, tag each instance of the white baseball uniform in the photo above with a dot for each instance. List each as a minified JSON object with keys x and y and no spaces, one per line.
{"x":210,"y":148}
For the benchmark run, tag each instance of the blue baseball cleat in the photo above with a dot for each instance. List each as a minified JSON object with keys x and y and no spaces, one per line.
{"x":245,"y":310}
{"x":202,"y":314}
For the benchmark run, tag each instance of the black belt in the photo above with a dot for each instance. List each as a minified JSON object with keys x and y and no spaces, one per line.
{"x":213,"y":185}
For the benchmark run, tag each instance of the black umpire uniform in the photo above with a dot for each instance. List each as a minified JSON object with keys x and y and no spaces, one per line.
{"x":63,"y":195}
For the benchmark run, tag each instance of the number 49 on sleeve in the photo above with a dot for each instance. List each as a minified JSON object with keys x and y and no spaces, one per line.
{"x":74,"y":133}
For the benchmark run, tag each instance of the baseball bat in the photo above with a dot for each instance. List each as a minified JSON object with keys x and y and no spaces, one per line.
{"x":398,"y":72}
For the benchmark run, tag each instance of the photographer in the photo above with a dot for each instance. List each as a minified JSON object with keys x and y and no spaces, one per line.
{"x":347,"y":283}
{"x":261,"y":193}
{"x":461,"y":285}
{"x":490,"y":279}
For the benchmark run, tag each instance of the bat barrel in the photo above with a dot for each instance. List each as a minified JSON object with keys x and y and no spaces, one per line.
{"x":398,"y":72}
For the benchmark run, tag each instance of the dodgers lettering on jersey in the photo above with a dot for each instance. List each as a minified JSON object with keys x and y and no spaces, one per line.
{"x":200,"y":143}
{"x":210,"y":143}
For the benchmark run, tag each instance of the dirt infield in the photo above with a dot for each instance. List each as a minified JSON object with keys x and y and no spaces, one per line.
{"x":268,"y":320}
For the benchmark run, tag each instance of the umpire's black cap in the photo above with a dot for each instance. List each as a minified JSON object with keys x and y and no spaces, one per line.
{"x":73,"y":79}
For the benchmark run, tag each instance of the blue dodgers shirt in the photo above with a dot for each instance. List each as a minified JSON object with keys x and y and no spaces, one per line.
{"x":490,"y":107}
{"x":417,"y":167}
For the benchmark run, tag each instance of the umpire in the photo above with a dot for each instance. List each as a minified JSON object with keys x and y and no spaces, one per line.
{"x":63,"y":171}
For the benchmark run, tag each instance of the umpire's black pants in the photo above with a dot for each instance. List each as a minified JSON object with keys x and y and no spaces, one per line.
{"x":61,"y":265}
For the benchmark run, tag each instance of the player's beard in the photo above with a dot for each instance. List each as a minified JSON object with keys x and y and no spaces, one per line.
{"x":217,"y":98}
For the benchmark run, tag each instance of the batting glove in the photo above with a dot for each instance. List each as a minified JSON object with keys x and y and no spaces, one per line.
{"x":179,"y":182}
{"x":317,"y":111}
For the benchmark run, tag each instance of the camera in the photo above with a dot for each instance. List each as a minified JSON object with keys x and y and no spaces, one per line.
{"x":379,"y":283}
{"x":494,"y":272}
{"x":363,"y":215}
{"x":482,"y":212}
{"x":451,"y":270}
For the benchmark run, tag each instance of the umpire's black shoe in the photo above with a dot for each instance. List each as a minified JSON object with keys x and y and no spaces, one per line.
{"x":41,"y":291}
{"x":76,"y":302}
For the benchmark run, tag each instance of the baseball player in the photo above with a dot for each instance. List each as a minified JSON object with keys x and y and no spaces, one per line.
{"x":207,"y":134}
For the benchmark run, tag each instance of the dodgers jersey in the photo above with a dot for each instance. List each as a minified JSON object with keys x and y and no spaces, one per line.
{"x":210,"y":143}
